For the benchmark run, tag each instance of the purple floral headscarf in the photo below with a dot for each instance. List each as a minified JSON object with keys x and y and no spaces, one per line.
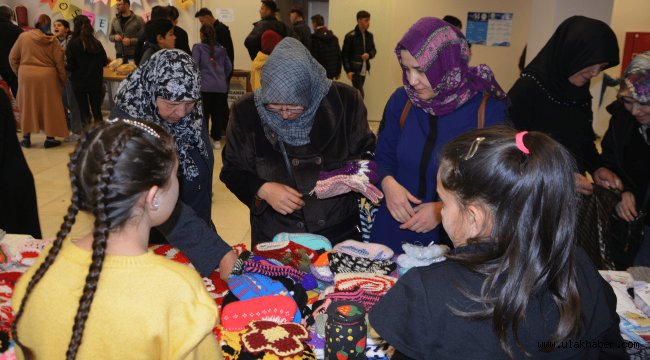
{"x":443,"y":54}
{"x":637,"y":78}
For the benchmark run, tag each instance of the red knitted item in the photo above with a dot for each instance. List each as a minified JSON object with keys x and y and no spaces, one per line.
{"x":170,"y":253}
{"x":283,"y":340}
{"x":238,"y":314}
{"x":368,"y":300}
{"x":374,"y":284}
{"x":288,"y":252}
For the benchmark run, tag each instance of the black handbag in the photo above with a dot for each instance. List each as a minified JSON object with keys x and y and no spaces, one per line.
{"x":628,"y":235}
{"x":595,"y":231}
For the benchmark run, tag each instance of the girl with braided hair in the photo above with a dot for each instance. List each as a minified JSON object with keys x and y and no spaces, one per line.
{"x":108,"y":285}
{"x":215,"y":67}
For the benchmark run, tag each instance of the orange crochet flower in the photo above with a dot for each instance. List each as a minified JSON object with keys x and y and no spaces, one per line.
{"x":282,"y":339}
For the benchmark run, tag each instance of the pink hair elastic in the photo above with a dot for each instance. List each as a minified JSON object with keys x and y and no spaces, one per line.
{"x":520,"y":142}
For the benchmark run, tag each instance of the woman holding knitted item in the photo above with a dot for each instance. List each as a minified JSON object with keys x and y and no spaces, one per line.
{"x":282,"y":136}
{"x":108,"y":285}
{"x":166,"y":91}
{"x":552,"y":95}
{"x":515,"y":268}
{"x":626,"y":146}
{"x":37,"y":58}
{"x":215,"y":67}
{"x":446,"y":94}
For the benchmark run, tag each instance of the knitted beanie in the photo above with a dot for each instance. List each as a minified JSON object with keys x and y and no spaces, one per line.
{"x":344,"y":263}
{"x":237,"y":315}
{"x":364,"y":250}
{"x":281,"y":339}
{"x":372,"y":283}
{"x":322,"y":273}
{"x":311,"y":241}
{"x":358,"y":295}
{"x":265,"y":268}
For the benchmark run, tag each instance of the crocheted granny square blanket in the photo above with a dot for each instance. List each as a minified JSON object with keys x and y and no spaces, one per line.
{"x":281,"y":339}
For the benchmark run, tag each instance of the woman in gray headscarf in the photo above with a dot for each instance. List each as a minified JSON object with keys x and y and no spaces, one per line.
{"x":295,"y":125}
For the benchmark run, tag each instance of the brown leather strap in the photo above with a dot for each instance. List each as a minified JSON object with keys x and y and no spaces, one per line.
{"x":404,"y":113}
{"x":481,"y":112}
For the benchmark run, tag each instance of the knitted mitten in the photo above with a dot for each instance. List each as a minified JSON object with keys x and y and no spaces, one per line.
{"x":358,"y":295}
{"x":372,"y":283}
{"x":344,"y":263}
{"x":364,"y":250}
{"x":265,"y":268}
{"x":311,"y":241}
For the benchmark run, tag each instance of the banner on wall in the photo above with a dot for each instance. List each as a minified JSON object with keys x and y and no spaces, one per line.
{"x":113,"y":3}
{"x":73,"y":12}
{"x":184,"y":3}
{"x":491,"y":29}
{"x":90,"y":16}
{"x":101,"y":24}
{"x":61,"y":6}
{"x":50,"y":2}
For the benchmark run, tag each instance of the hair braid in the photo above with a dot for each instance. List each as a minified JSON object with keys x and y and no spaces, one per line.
{"x":99,"y":195}
{"x":210,"y":35}
{"x":70,"y":219}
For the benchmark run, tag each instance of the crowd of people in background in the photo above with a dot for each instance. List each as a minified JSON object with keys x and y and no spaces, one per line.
{"x":453,"y":149}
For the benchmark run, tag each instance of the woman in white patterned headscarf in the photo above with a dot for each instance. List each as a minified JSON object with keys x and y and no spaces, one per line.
{"x":295,"y":125}
{"x":167,"y":90}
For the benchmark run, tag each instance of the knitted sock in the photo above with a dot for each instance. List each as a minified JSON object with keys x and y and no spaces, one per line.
{"x":238,"y":268}
{"x":364,"y":167}
{"x":344,"y":263}
{"x":311,"y":241}
{"x":322,"y":273}
{"x":358,"y":295}
{"x":364,"y":250}
{"x":342,"y":184}
{"x":237,"y":315}
{"x":372,"y":283}
{"x":308,"y":281}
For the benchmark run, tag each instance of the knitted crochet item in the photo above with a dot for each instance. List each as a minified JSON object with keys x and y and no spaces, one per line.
{"x":250,"y":286}
{"x":364,"y":250}
{"x":342,"y":184}
{"x":281,"y":339}
{"x":265,"y":268}
{"x":275,"y":262}
{"x":322,"y":259}
{"x":297,"y":255}
{"x":311,"y":241}
{"x":358,"y":295}
{"x":344,"y":263}
{"x":238,"y":268}
{"x":372,"y":283}
{"x":231,"y":348}
{"x":238,"y":314}
{"x":322,"y":273}
{"x":363,"y":167}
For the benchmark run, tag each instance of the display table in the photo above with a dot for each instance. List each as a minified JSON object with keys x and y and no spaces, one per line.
{"x":110,"y":76}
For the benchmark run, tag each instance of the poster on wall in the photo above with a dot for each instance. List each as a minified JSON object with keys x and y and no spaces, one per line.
{"x":225,"y":15}
{"x":237,"y":89}
{"x":489,"y":28}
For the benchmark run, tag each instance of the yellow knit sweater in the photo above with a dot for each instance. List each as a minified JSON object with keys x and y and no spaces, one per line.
{"x":256,"y":70}
{"x":145,"y":307}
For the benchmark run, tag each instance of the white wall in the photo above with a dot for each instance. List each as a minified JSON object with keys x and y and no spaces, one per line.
{"x":186,"y":19}
{"x":628,"y":16}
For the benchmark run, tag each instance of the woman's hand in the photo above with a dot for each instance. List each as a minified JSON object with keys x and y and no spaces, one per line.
{"x":398,"y":200}
{"x":626,"y":208}
{"x":583,"y":185}
{"x":427,"y":217}
{"x":282,"y":198}
{"x":606,"y":178}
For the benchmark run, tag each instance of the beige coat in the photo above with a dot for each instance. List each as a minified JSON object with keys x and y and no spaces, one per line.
{"x":38,"y":61}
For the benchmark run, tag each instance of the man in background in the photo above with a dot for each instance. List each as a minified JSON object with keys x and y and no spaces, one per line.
{"x":182,"y":40}
{"x":269,"y":21}
{"x":358,"y":49}
{"x":223,"y":33}
{"x":10,"y":33}
{"x":157,"y":12}
{"x":124,"y":30}
{"x":325,"y":48}
{"x":296,"y":15}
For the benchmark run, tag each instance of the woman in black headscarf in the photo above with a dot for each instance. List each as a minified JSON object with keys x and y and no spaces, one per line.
{"x":166,"y":90}
{"x":552,"y":95}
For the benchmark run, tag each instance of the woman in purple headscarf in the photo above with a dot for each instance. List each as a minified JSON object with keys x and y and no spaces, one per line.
{"x":444,"y":95}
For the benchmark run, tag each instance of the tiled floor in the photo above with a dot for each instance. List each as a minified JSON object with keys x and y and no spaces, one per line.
{"x":49,"y":167}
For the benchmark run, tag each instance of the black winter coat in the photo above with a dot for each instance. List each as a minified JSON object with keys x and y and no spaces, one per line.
{"x":86,"y":69}
{"x":303,"y":32}
{"x":340,"y":132}
{"x":182,"y":43}
{"x":353,"y":50}
{"x":10,"y":33}
{"x":326,"y":50}
{"x":253,"y":41}
{"x":224,"y":39}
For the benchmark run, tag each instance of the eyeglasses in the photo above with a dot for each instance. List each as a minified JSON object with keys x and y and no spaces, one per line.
{"x":280,"y":111}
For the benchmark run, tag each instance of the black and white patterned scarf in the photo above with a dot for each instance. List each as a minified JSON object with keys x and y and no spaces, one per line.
{"x":171,"y":75}
{"x":291,"y":76}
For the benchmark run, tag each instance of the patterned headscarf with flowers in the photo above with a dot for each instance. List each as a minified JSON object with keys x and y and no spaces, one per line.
{"x":637,"y":78}
{"x":443,"y":54}
{"x":171,"y":75}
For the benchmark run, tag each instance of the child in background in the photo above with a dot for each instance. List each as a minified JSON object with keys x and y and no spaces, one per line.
{"x":123,"y":300}
{"x":159,"y":35}
{"x":269,"y":39}
{"x":85,"y":60}
{"x":510,"y":208}
{"x":215,"y":67}
{"x":62,"y":32}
